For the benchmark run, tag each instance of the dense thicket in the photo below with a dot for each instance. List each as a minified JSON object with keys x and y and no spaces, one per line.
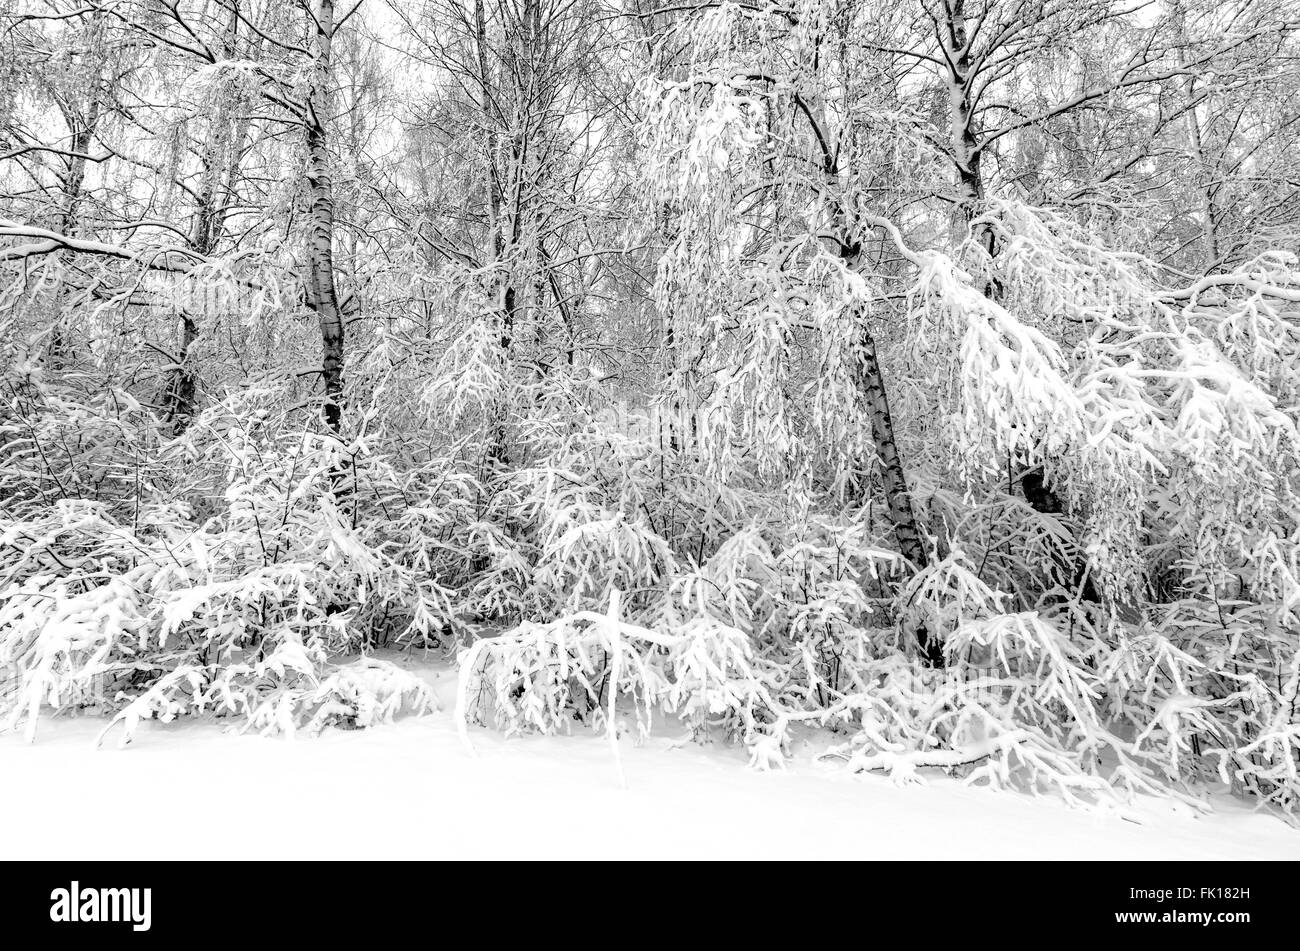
{"x":922,"y":379}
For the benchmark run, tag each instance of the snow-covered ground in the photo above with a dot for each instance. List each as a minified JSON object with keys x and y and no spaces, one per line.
{"x":192,"y":790}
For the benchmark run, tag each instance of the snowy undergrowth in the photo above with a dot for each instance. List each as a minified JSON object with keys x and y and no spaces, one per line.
{"x":798,"y":620}
{"x":239,"y":568}
{"x":1037,"y":715}
{"x":137,"y":606}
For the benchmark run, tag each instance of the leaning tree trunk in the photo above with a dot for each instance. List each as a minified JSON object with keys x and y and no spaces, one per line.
{"x":898,"y":497}
{"x":870,"y":384}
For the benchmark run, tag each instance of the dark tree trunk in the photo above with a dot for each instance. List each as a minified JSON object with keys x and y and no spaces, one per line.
{"x":181,"y":391}
{"x":898,"y":497}
{"x":322,"y":294}
{"x":66,"y":223}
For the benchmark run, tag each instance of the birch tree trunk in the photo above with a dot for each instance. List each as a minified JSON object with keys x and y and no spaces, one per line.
{"x":322,"y":294}
{"x":870,"y":383}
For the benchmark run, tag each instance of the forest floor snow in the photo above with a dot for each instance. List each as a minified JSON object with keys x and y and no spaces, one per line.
{"x":410,"y":790}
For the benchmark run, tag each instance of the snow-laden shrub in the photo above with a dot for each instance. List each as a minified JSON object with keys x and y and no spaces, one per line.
{"x":543,"y":677}
{"x":1210,"y":691}
{"x":166,"y":617}
{"x":765,"y":643}
{"x":133,"y":605}
{"x":58,"y":444}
